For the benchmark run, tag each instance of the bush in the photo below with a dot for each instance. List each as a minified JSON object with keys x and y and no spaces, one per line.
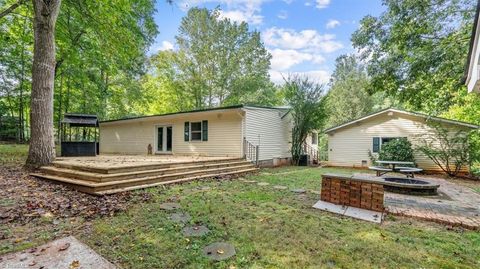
{"x":449,"y":151}
{"x":399,"y":149}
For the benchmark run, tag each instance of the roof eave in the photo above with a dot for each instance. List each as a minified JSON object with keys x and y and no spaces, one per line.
{"x":454,"y":122}
{"x":471,"y":48}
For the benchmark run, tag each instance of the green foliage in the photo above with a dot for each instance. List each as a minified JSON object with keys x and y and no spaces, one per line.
{"x":220,"y":62}
{"x":100,"y":54}
{"x":8,"y":128}
{"x":447,"y":149}
{"x":372,"y":157}
{"x":416,"y":50}
{"x":307,"y":107}
{"x":348,"y":98}
{"x":399,"y":149}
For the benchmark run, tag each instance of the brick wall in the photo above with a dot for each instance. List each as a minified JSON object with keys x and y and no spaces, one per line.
{"x":351,"y":192}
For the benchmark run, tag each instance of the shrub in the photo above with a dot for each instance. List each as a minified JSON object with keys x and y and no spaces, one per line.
{"x":399,"y":149}
{"x":449,"y":151}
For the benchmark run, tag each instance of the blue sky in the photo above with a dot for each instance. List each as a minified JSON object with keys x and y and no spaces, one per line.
{"x":303,"y":36}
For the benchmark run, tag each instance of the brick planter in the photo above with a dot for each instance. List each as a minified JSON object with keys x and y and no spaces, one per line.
{"x":352,"y":191}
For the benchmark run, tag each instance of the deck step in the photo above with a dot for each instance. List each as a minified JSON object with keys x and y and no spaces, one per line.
{"x":240,"y":172}
{"x":135,"y":168}
{"x":95,"y":186}
{"x":102,"y":177}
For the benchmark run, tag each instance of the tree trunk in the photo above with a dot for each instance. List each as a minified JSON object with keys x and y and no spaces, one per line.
{"x":42,"y":142}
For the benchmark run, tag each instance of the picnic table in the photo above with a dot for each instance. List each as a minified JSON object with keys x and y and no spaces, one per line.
{"x":393,"y":166}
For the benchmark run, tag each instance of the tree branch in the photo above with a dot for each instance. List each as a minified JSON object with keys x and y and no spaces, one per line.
{"x":11,"y":8}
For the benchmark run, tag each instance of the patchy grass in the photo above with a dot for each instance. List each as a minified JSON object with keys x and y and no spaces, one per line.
{"x":16,"y":154}
{"x":269,"y":228}
{"x":304,"y":177}
{"x":273,"y":229}
{"x":13,"y":154}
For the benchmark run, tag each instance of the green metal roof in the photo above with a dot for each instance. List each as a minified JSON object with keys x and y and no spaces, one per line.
{"x":194,"y":111}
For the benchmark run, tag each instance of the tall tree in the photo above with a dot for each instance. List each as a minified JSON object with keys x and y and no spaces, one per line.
{"x":416,"y":50}
{"x":307,"y":107}
{"x":96,"y":65}
{"x":348,"y":97}
{"x":221,"y":62}
{"x":42,"y":144}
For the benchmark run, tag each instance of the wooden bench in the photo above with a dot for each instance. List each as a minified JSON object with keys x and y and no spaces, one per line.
{"x":409,"y":171}
{"x":380,"y":170}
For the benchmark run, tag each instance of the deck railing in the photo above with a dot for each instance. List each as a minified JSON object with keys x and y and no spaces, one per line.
{"x":312,"y":152}
{"x":250,"y":151}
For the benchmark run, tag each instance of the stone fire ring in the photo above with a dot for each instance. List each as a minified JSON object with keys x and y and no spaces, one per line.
{"x":180,"y":217}
{"x":219,"y":251}
{"x":170,"y":206}
{"x":199,"y":230}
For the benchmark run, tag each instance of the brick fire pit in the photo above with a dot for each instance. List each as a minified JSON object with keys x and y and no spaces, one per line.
{"x":354,"y":191}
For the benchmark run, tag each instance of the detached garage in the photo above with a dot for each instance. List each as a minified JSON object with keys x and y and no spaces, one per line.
{"x":349,"y":143}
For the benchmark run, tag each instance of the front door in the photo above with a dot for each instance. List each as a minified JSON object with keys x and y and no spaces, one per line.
{"x":164,"y":139}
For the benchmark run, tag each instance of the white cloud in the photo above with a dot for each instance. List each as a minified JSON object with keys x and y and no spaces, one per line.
{"x":282,"y":15}
{"x":284,"y":59}
{"x":242,"y":16}
{"x":288,"y":2}
{"x":166,"y":46}
{"x":319,"y":76}
{"x":332,"y":24}
{"x":322,"y":4}
{"x":309,"y":40}
{"x":236,"y":10}
{"x":307,"y":4}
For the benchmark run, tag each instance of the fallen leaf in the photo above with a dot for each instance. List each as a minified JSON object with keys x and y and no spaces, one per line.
{"x":75,"y":264}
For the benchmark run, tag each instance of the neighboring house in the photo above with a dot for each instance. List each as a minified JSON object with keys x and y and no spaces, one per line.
{"x":224,"y":131}
{"x":472,"y":70}
{"x":349,"y":143}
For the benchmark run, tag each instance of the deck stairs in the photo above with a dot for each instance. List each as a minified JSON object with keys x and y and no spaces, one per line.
{"x":101,"y":181}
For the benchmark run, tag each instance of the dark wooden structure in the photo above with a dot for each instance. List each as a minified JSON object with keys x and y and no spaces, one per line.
{"x":79,"y":135}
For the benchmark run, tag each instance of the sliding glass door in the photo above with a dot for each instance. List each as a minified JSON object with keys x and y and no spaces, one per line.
{"x":164,"y":139}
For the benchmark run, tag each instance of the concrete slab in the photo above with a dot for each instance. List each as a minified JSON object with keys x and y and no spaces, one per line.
{"x":338,"y":209}
{"x":364,"y":214}
{"x":349,"y":211}
{"x":66,"y":252}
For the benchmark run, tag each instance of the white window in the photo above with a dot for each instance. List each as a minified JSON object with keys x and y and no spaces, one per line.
{"x":196,"y":131}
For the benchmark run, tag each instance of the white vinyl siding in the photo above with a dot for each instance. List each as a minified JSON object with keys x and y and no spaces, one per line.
{"x":133,"y":136}
{"x":349,"y":146}
{"x":266,"y":128}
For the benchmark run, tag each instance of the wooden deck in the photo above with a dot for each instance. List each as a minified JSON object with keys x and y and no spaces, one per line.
{"x":107,"y":174}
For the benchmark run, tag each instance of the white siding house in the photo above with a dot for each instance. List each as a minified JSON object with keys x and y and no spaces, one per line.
{"x":472,"y":76}
{"x":350,"y":143}
{"x":210,"y":132}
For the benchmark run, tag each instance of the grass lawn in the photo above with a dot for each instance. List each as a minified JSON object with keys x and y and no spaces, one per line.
{"x":273,"y":229}
{"x":269,"y":228}
{"x":13,"y":154}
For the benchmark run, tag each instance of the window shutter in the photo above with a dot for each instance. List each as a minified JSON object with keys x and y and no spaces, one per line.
{"x":205,"y":130}
{"x":186,"y":135}
{"x":376,"y":144}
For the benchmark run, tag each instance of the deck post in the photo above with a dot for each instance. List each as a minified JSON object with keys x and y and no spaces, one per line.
{"x":257,"y":150}
{"x":244,"y":147}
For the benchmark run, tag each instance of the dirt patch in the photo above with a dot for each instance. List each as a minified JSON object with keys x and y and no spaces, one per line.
{"x":24,"y":198}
